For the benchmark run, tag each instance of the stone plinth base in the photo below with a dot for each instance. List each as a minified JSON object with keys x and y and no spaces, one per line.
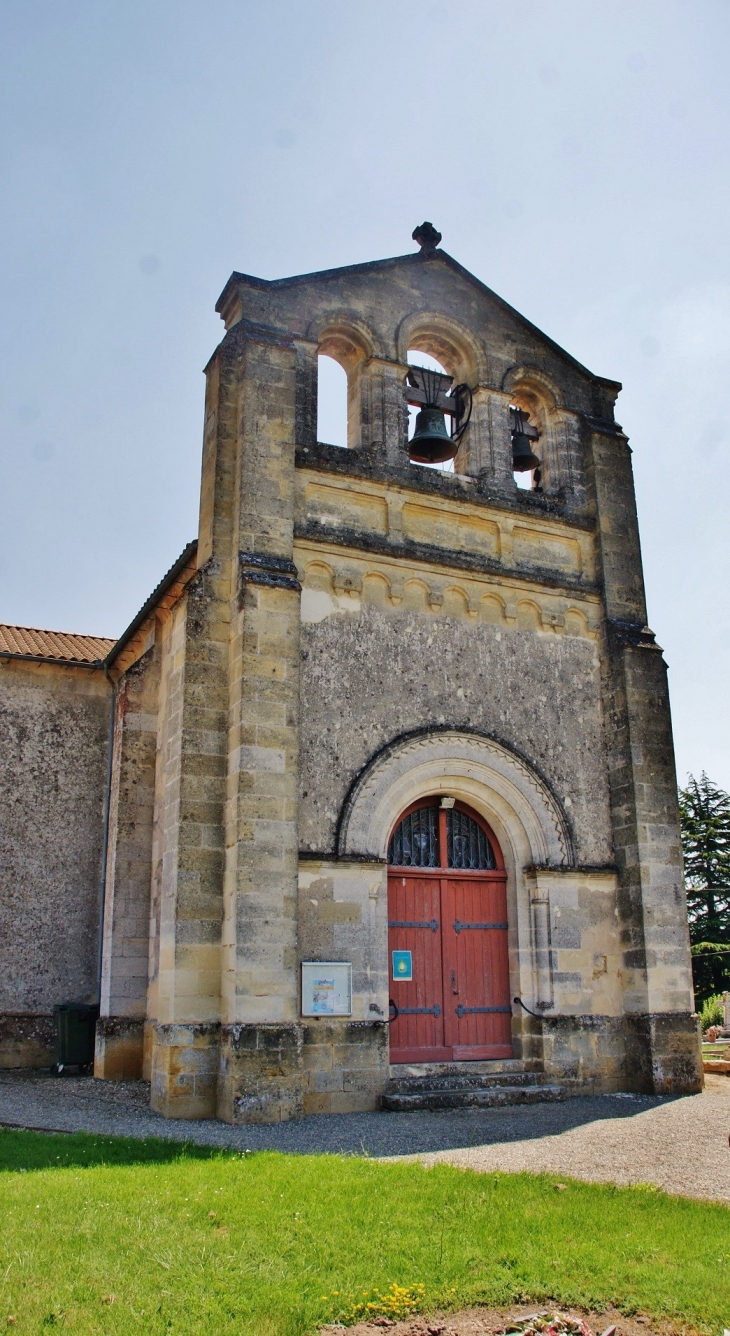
{"x":118,"y":1049}
{"x":664,"y":1053}
{"x":184,"y":1070}
{"x":269,"y":1073}
{"x":587,"y":1051}
{"x":27,"y":1039}
{"x":346,"y":1065}
{"x":260,"y":1077}
{"x":646,"y":1054}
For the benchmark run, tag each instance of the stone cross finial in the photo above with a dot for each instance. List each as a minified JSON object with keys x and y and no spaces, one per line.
{"x":427,"y":237}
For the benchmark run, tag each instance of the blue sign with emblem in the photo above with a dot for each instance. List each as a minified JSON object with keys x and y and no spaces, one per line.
{"x":403,"y":965}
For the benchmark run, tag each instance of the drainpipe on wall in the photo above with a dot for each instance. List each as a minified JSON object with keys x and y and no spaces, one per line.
{"x":543,"y":970}
{"x":105,"y":832}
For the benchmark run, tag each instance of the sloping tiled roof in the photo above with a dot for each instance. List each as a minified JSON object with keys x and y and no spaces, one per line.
{"x":165,"y":595}
{"x":30,"y":642}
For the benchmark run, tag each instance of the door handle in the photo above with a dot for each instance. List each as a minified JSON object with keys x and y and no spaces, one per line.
{"x":454,"y":986}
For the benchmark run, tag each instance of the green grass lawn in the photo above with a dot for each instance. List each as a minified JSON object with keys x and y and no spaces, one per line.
{"x":105,"y":1236}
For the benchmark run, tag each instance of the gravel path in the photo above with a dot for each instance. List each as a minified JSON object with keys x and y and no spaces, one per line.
{"x":681,"y":1145}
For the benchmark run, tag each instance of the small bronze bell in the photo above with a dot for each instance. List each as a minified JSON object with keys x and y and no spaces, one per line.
{"x":431,"y":443}
{"x":523,"y":459}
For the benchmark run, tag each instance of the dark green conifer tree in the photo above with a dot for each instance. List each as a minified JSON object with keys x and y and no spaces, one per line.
{"x":705,"y":820}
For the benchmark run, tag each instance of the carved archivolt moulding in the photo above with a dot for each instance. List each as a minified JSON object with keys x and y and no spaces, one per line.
{"x":501,"y":785}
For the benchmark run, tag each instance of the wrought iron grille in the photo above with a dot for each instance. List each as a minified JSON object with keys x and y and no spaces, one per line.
{"x":414,"y":842}
{"x":467,"y":845}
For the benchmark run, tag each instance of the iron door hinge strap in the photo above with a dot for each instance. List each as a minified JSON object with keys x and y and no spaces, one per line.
{"x":406,"y":923}
{"x":420,"y":1011}
{"x":479,"y":1011}
{"x":459,"y":927}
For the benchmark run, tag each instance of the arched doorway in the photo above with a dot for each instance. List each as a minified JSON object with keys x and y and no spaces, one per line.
{"x":447,"y":936}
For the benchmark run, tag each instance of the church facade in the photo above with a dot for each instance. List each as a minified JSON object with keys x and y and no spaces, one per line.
{"x":387,"y":811}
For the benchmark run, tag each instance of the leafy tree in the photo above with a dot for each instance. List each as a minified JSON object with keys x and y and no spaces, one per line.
{"x":705,"y":820}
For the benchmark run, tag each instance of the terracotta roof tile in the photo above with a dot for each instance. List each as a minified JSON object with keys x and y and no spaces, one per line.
{"x":29,"y":641}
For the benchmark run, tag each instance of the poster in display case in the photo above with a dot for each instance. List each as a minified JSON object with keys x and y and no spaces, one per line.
{"x":326,"y":988}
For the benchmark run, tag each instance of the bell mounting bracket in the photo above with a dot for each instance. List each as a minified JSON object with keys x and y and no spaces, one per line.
{"x":520,"y":422}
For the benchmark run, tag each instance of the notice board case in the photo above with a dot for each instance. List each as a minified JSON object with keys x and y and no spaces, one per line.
{"x":326,"y":988}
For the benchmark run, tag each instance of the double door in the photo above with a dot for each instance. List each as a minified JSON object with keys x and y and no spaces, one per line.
{"x":449,"y":976}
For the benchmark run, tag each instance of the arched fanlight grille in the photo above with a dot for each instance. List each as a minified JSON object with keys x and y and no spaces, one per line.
{"x":467,"y":845}
{"x":415,"y":842}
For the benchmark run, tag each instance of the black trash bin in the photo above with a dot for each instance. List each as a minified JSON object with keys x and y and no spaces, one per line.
{"x":75,"y":1024}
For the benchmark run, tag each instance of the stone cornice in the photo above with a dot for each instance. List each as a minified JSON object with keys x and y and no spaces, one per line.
{"x":363,"y":464}
{"x":408,"y":550}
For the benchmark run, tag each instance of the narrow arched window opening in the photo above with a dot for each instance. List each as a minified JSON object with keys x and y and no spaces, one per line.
{"x":416,"y":358}
{"x":331,"y":401}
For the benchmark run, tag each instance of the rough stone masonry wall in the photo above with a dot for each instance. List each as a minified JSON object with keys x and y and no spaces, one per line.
{"x":54,"y":725}
{"x":373,"y":674}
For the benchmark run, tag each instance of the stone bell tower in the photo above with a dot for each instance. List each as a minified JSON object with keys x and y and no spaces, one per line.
{"x":357,"y":638}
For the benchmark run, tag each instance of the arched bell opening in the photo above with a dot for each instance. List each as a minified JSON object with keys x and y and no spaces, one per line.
{"x":439,"y":413}
{"x":527,"y":429}
{"x":439,"y":343}
{"x":332,"y":401}
{"x":532,"y":428}
{"x":447,"y":936}
{"x":342,"y":353}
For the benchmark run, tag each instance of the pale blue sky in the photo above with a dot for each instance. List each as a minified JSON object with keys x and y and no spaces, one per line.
{"x":574,"y":155}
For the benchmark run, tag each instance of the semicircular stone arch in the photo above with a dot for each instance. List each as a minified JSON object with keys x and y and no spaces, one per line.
{"x":532,"y":381}
{"x":344,"y":337}
{"x":504,"y":789}
{"x":446,"y":339}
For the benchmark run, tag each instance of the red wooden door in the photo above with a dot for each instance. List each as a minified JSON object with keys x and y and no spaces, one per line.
{"x":414,"y":925}
{"x":447,"y":938}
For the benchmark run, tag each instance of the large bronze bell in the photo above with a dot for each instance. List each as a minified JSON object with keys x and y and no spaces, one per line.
{"x":523,"y":459}
{"x":431,"y":443}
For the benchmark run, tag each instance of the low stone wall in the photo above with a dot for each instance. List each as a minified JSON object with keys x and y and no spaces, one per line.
{"x":27,"y":1039}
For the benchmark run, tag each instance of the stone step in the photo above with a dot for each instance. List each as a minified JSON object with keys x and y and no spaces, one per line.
{"x":460,"y":1080}
{"x":487,"y":1067}
{"x":461,"y":1097}
{"x":463,"y":1081}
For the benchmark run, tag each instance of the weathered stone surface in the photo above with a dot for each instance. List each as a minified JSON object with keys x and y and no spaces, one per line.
{"x":270,"y":1073}
{"x":26,"y":1040}
{"x":184,"y":1070}
{"x":54,"y":724}
{"x":391,"y":671}
{"x":129,"y":847}
{"x":119,"y":1049}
